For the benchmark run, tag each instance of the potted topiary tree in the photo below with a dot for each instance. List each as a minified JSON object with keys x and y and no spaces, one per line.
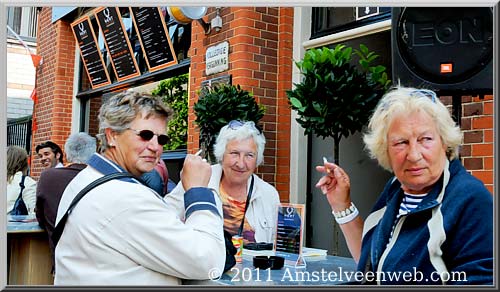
{"x":336,"y":98}
{"x":217,"y":106}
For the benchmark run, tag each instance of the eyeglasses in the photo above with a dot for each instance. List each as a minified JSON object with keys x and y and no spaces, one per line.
{"x":425,"y":92}
{"x":147,"y":135}
{"x":236,"y":124}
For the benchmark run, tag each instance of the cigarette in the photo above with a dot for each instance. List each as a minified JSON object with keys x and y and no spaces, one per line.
{"x":324,"y":162}
{"x":199,"y":152}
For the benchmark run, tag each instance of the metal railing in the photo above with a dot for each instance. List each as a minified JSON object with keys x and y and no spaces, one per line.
{"x":19,"y":132}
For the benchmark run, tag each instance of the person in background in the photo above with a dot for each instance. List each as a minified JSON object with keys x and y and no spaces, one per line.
{"x":17,"y":168}
{"x":50,"y":154}
{"x":157,"y":178}
{"x":122,"y":232}
{"x":433,"y":217}
{"x":52,"y":182}
{"x":239,"y":149}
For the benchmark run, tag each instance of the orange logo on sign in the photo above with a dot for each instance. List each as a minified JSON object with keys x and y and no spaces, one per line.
{"x":446,"y":68}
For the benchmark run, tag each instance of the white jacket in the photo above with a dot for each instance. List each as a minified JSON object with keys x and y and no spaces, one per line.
{"x":29,"y":192}
{"x":262,"y":210}
{"x":122,"y":233}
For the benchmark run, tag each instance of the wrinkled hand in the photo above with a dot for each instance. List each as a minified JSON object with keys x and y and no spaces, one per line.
{"x":195,"y":172}
{"x":335,"y":184}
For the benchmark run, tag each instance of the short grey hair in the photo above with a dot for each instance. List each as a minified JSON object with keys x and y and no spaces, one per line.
{"x":407,"y":100}
{"x":120,"y":110}
{"x":240,"y":133}
{"x":79,"y":147}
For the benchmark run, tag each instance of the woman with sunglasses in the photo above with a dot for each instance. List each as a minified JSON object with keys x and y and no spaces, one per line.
{"x":249,"y":203}
{"x":121,"y":232}
{"x":433,"y":221}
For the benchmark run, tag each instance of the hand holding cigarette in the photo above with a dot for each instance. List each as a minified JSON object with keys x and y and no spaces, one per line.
{"x":325,"y":161}
{"x":195,"y":172}
{"x":335,"y":184}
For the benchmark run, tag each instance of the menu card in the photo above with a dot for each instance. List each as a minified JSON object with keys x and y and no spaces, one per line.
{"x":155,"y":41}
{"x":289,"y":233}
{"x":90,"y":53}
{"x":117,"y":43}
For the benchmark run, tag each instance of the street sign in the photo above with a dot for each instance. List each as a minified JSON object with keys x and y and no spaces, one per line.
{"x":217,"y":58}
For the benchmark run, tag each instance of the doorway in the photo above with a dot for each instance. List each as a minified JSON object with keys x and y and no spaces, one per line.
{"x":366,"y":176}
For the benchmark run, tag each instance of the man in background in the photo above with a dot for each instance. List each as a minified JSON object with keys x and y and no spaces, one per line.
{"x":52,"y":182}
{"x":50,"y":154}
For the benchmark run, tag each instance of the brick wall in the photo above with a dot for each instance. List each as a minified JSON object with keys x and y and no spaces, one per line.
{"x":476,"y":151}
{"x":54,"y":83}
{"x":477,"y":148}
{"x":260,"y":60}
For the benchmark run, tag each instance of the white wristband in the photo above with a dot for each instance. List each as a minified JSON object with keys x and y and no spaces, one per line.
{"x":346,"y":215}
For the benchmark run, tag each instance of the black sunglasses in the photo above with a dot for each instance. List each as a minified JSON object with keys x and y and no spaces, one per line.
{"x":147,"y":135}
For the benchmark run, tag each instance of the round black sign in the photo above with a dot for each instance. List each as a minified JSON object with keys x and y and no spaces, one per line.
{"x":445,"y":45}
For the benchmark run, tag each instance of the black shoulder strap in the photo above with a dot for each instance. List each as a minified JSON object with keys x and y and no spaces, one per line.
{"x":58,"y":230}
{"x":21,"y":184}
{"x":246,"y":206}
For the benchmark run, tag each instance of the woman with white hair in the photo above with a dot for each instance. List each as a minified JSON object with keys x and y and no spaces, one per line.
{"x":239,"y":149}
{"x":433,"y":221}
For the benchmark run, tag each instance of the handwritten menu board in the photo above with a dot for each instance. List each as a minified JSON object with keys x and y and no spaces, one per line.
{"x":90,"y":53}
{"x":154,"y":38}
{"x":117,"y":42}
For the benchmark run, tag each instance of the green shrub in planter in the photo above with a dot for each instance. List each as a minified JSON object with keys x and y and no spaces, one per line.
{"x":335,"y":97}
{"x":219,"y":105}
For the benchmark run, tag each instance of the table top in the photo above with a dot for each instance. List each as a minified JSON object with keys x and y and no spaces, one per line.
{"x":320,"y":270}
{"x":23,"y":224}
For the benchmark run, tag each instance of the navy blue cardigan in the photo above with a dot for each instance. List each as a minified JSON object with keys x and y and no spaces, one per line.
{"x":447,"y":242}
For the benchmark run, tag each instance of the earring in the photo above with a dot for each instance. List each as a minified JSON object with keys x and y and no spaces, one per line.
{"x":111,"y":145}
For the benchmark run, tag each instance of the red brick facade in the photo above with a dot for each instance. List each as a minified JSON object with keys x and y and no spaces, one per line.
{"x":477,"y":148}
{"x":54,"y":84}
{"x":476,"y":151}
{"x":260,"y":55}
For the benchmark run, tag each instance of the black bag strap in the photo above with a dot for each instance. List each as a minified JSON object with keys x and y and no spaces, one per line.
{"x":246,"y":207}
{"x":58,"y":230}
{"x":21,"y":184}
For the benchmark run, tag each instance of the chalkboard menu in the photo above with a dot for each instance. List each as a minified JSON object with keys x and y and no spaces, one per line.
{"x":154,"y":38}
{"x":90,"y":53}
{"x":117,"y":43}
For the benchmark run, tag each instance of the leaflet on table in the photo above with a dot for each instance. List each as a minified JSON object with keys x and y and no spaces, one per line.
{"x":308,"y":252}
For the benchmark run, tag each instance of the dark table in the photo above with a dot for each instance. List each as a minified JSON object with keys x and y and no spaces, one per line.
{"x":320,"y":270}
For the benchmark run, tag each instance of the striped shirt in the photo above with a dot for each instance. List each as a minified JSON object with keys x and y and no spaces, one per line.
{"x":409,"y":203}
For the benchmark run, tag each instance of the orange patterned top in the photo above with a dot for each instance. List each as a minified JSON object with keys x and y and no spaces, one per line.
{"x":233,"y":213}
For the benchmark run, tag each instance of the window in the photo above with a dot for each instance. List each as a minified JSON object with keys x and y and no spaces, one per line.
{"x":23,"y":21}
{"x":329,"y":20}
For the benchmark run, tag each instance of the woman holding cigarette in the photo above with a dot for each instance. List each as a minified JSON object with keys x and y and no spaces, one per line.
{"x":433,"y":220}
{"x":249,"y":203}
{"x":122,"y":232}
